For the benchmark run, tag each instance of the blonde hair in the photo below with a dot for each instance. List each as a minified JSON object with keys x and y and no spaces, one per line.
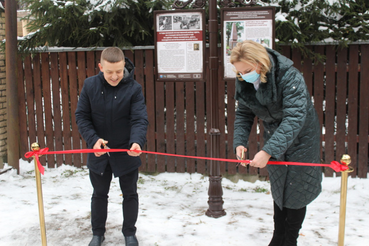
{"x":251,"y":53}
{"x":112,"y":55}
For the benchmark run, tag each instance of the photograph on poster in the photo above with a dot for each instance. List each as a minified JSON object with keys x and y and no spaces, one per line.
{"x":165,"y":23}
{"x":234,"y":33}
{"x":186,"y":21}
{"x":248,"y":24}
{"x":180,"y":45}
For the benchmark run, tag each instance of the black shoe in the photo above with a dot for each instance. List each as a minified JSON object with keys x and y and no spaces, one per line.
{"x":96,"y":241}
{"x":131,"y":241}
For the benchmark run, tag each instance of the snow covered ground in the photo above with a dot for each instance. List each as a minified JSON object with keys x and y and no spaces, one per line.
{"x":172,"y":211}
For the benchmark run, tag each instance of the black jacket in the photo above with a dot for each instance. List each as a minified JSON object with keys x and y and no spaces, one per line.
{"x":116,"y":114}
{"x":291,"y":130}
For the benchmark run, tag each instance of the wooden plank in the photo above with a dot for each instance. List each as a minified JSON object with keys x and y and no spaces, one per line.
{"x":329,"y":117}
{"x":307,"y":71}
{"x":180,"y":119}
{"x":170,"y":125}
{"x":81,"y":67}
{"x":90,"y":62}
{"x":139,"y":68}
{"x":200,"y":126}
{"x":46,"y":91}
{"x":263,"y":172}
{"x":190,"y":126}
{"x":241,"y":169}
{"x":86,"y":68}
{"x":341,"y":102}
{"x":319,"y":90}
{"x":56,"y":106}
{"x":23,"y":133}
{"x":286,"y":51}
{"x":221,"y":123}
{"x":97,"y":60}
{"x":140,"y":78}
{"x":208,"y":115}
{"x":252,"y":148}
{"x":129,"y":54}
{"x":73,"y":86}
{"x":30,"y":100}
{"x":364,"y":113}
{"x":149,"y":93}
{"x":150,"y":107}
{"x":296,"y":58}
{"x":38,"y":104}
{"x":245,"y":170}
{"x":232,"y":167}
{"x":353,"y":93}
{"x":160,"y":124}
{"x":64,"y":85}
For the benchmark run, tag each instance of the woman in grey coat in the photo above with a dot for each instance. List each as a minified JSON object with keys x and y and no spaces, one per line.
{"x":270,"y":88}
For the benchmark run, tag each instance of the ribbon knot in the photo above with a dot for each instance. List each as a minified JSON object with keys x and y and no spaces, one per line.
{"x":338,"y":167}
{"x":36,"y":154}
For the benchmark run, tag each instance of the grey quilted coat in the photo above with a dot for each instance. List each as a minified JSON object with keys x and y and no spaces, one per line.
{"x":291,"y":130}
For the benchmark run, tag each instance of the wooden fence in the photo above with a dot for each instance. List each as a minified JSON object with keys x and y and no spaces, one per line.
{"x":49,"y":84}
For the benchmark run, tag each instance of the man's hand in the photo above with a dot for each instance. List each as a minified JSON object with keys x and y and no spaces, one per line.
{"x":98,"y":145}
{"x":134,"y":146}
{"x":260,"y":159}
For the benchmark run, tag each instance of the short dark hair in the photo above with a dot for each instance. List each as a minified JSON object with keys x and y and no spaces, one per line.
{"x":112,"y":55}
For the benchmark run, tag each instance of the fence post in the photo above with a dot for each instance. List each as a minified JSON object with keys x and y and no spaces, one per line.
{"x":12,"y":84}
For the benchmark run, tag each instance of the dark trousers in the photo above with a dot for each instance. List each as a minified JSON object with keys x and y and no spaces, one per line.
{"x":287,"y":224}
{"x":99,"y":201}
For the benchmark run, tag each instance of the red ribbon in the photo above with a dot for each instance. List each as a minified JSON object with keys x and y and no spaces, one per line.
{"x":36,"y":154}
{"x":335,"y":165}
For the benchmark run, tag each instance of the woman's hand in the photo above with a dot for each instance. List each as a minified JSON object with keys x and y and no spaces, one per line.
{"x":241,"y":153}
{"x":260,"y":159}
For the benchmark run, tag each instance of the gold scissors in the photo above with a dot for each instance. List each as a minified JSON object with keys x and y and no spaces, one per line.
{"x":106,"y":147}
{"x":241,"y":158}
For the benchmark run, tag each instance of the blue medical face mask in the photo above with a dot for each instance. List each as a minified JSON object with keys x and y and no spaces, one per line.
{"x":250,"y":77}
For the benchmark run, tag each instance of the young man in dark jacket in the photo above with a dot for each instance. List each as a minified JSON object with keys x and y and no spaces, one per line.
{"x":111,"y":112}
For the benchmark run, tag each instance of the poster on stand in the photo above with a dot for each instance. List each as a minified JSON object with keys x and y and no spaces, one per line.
{"x":180,"y":45}
{"x":239,"y":24}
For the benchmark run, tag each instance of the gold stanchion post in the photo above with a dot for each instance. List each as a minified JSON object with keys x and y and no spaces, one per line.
{"x":36,"y":147}
{"x":345,"y":160}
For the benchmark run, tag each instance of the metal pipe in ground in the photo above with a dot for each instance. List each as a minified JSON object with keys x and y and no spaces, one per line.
{"x":36,"y":147}
{"x":346,"y":160}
